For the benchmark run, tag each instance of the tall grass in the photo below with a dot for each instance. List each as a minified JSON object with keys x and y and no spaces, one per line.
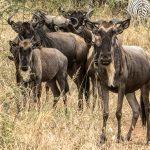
{"x":51,"y":129}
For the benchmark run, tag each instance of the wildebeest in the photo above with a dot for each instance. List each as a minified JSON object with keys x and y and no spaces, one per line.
{"x":47,"y":65}
{"x":71,"y":45}
{"x":122,"y":69}
{"x":49,"y":23}
{"x":79,"y":26}
{"x":21,"y":82}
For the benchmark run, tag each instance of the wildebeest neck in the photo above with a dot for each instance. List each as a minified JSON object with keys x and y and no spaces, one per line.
{"x":45,"y":40}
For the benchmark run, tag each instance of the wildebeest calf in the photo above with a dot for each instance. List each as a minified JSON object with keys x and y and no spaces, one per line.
{"x":46,"y":65}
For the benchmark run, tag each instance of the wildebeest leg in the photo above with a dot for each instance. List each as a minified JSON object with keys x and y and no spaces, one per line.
{"x":94,"y":90}
{"x":47,"y":92}
{"x":79,"y":83}
{"x":36,"y":93}
{"x":121,"y":93}
{"x":105,"y":108}
{"x":87,"y":91}
{"x":18,"y":77}
{"x":135,"y":110}
{"x":39,"y":95}
{"x":62,"y":81}
{"x":56,"y":93}
{"x":145,"y":106}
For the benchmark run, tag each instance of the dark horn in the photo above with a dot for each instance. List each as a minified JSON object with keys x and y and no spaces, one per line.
{"x":10,"y":22}
{"x":89,"y":13}
{"x":116,"y":21}
{"x":77,"y":22}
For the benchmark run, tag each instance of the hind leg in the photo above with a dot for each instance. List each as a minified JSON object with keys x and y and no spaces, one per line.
{"x":55,"y":91}
{"x":47,"y":92}
{"x":63,"y":83}
{"x":131,"y":98}
{"x":75,"y":70}
{"x":145,"y":99}
{"x":87,"y":91}
{"x":94,"y":90}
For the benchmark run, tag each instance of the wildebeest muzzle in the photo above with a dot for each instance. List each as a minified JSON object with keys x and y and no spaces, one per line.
{"x":105,"y":59}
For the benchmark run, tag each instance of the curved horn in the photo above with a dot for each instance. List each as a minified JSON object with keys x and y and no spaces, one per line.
{"x":89,"y":13}
{"x":31,"y":40}
{"x":20,"y":38}
{"x":128,"y":14}
{"x":116,"y":21}
{"x":10,"y":22}
{"x":77,"y":31}
{"x":74,"y":19}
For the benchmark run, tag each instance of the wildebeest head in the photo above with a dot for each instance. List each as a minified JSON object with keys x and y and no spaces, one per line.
{"x":24,"y":29}
{"x":76,"y":16}
{"x":16,"y":26}
{"x":38,"y":19}
{"x":25,"y":49}
{"x":107,"y":31}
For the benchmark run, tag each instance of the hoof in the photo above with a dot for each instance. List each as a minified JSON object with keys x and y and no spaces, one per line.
{"x":119,"y":139}
{"x":129,"y":137}
{"x":103,"y":139}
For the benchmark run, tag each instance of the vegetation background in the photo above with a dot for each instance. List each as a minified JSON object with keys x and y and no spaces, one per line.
{"x":49,"y":129}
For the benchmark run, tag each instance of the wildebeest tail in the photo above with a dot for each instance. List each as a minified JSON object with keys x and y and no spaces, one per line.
{"x":143,"y":116}
{"x":66,"y":86}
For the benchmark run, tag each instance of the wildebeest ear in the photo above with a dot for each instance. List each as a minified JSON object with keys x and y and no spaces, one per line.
{"x":36,"y":45}
{"x":11,"y":58}
{"x":12,"y":44}
{"x":122,"y":26}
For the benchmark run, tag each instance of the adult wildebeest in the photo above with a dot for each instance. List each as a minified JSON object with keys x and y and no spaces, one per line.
{"x":47,"y":65}
{"x":122,"y":69}
{"x":71,"y":45}
{"x":49,"y":23}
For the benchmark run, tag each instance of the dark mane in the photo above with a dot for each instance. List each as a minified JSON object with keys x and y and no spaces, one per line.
{"x":41,"y":35}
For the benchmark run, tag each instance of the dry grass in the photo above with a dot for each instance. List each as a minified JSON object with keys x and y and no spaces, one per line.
{"x":52,"y":130}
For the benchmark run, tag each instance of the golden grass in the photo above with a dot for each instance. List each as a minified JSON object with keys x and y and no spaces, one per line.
{"x":52,"y":130}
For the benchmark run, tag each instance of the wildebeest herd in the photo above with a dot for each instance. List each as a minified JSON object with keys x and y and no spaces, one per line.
{"x":52,"y":47}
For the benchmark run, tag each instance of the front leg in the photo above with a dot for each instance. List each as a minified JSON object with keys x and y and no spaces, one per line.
{"x":105,"y":108}
{"x":121,"y":93}
{"x":36,"y":92}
